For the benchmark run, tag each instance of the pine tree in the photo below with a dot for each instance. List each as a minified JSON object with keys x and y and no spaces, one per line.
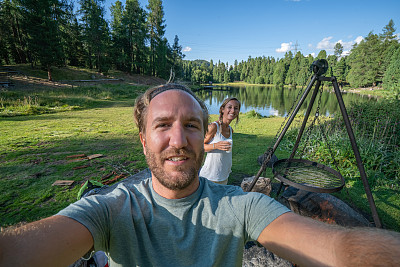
{"x":321,"y":54}
{"x":389,"y":46}
{"x":95,"y":34}
{"x":134,"y":21}
{"x":294,"y":69}
{"x":338,"y":49}
{"x":72,"y":43}
{"x":391,"y":80}
{"x":156,"y":26}
{"x":43,"y":23}
{"x":177,"y":56}
{"x":364,"y":62}
{"x":304,"y":71}
{"x":119,"y":37}
{"x":13,"y":35}
{"x":339,"y":71}
{"x":279,"y":73}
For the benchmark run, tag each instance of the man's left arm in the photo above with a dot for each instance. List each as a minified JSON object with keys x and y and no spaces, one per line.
{"x":54,"y":241}
{"x":308,"y":242}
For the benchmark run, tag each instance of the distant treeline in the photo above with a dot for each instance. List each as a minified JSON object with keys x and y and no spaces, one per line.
{"x":54,"y":33}
{"x":374,"y":61}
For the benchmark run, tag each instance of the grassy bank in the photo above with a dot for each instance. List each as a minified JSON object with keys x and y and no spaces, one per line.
{"x":36,"y":150}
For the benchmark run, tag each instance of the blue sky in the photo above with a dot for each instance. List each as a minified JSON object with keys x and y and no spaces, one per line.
{"x":232,"y":29}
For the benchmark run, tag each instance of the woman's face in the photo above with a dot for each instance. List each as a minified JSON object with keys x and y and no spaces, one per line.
{"x":231,"y":110}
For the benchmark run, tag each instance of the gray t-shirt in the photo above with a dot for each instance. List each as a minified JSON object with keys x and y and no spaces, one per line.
{"x":138,"y":227}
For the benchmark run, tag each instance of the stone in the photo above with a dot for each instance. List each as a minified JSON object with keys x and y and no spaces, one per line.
{"x":263,"y":185}
{"x":262,"y":157}
{"x":323,"y":207}
{"x":258,"y":256}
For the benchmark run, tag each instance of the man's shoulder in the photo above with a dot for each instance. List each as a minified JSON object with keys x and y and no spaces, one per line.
{"x":224,"y":191}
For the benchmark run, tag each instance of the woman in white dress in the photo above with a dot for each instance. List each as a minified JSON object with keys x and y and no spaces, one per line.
{"x":218,"y":143}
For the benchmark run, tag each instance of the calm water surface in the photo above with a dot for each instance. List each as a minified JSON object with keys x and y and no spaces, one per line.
{"x":273,"y":101}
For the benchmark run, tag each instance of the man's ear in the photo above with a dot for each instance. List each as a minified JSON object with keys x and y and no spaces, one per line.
{"x":143,"y":141}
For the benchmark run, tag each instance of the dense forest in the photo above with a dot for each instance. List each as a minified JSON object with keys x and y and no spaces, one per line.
{"x":54,"y":33}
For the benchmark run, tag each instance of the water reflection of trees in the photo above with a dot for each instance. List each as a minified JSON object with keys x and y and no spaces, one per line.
{"x":278,"y":98}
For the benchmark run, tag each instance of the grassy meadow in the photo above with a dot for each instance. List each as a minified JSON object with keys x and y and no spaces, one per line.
{"x":38,"y":138}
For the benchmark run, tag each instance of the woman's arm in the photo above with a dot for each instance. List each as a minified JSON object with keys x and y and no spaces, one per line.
{"x":212,"y":130}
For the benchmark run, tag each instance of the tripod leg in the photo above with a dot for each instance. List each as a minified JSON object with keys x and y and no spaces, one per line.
{"x":356,"y":153}
{"x":284,"y":130}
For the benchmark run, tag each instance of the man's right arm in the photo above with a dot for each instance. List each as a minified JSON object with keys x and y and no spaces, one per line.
{"x":311,"y":243}
{"x":54,"y":241}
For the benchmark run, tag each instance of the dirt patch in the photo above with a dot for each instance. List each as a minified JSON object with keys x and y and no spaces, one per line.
{"x":26,"y":82}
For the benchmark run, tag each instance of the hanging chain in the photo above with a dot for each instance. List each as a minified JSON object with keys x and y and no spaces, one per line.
{"x":267,"y":154}
{"x":290,"y":111}
{"x":311,"y":127}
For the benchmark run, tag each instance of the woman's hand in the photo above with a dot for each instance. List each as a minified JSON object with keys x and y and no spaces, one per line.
{"x":223,"y":145}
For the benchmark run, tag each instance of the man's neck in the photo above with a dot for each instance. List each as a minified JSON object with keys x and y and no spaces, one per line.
{"x":174,"y":194}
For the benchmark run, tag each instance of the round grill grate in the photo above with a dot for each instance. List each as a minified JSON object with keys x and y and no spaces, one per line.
{"x":308,"y":175}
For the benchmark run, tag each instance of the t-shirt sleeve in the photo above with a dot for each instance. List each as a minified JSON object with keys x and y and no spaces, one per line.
{"x":95,"y":214}
{"x":256,"y":211}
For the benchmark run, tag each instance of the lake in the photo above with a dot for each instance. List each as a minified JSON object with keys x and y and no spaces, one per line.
{"x":274,"y":101}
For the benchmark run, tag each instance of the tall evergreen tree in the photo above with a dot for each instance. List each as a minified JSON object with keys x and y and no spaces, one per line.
{"x":338,"y":49}
{"x":389,"y":44}
{"x":177,"y":56}
{"x":364,"y":61}
{"x":332,"y":61}
{"x":391,"y":80}
{"x":95,"y":33}
{"x":321,"y":54}
{"x":156,"y":26}
{"x":72,"y":43}
{"x":279,"y":73}
{"x":119,"y":47}
{"x":43,"y":23}
{"x":134,"y":20}
{"x":13,"y":35}
{"x":294,"y":69}
{"x":339,"y":71}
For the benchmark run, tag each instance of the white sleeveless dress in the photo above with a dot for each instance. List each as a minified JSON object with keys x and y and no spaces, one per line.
{"x":218,"y":163}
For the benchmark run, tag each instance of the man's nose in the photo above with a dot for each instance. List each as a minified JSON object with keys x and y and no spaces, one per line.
{"x":178,"y":137}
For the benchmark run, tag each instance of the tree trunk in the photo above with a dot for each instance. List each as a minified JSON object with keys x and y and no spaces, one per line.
{"x":49,"y":74}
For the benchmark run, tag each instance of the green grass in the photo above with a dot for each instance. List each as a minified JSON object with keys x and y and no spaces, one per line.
{"x":34,"y":151}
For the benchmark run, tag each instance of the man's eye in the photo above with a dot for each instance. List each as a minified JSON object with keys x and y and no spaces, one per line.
{"x":162,"y":125}
{"x":191,"y":125}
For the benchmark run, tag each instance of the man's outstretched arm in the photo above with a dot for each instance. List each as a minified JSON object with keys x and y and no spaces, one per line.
{"x":307,"y":242}
{"x":54,"y":241}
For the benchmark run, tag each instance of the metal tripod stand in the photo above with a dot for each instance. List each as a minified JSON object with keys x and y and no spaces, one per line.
{"x":319,"y":67}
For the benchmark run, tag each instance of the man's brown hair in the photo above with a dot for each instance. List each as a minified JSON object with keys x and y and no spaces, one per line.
{"x":143,"y":101}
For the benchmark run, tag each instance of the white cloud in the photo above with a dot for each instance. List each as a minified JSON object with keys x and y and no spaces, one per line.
{"x":187,"y":49}
{"x":284,"y":47}
{"x":313,"y":54}
{"x":329,"y":45}
{"x":325,"y":43}
{"x":358,"y":39}
{"x":345,"y":53}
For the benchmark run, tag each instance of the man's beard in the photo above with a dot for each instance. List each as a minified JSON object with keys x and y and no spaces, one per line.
{"x":185,"y":178}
